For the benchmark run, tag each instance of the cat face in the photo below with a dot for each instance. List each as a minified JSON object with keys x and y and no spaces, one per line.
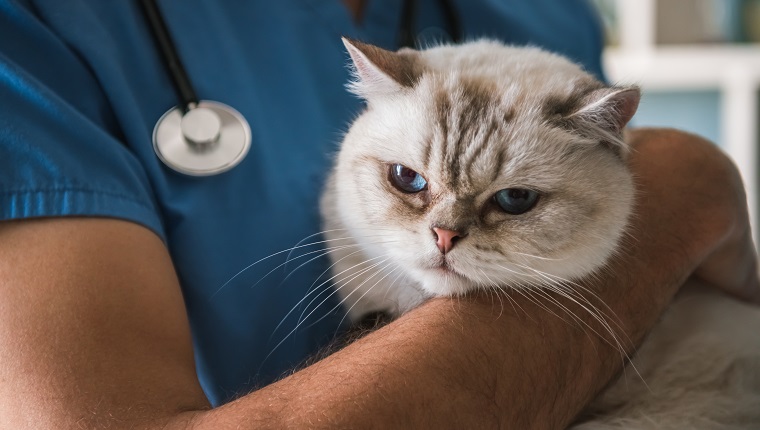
{"x":484,"y":166}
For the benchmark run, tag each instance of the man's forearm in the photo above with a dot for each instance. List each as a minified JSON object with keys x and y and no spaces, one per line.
{"x":449,"y":364}
{"x":469,"y":363}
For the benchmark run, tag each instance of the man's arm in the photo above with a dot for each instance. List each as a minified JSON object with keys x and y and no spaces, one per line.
{"x":94,"y":332}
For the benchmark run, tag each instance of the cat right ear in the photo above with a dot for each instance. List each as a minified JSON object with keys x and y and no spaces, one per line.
{"x":378,"y":72}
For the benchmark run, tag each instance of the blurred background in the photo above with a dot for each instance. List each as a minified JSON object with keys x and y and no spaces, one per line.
{"x":698,"y":63}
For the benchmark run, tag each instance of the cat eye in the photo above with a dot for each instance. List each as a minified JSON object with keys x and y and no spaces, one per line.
{"x":516,"y":201}
{"x":406,"y":179}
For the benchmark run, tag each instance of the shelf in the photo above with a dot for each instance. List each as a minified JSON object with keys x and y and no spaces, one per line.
{"x":685,"y":67}
{"x":734,"y":70}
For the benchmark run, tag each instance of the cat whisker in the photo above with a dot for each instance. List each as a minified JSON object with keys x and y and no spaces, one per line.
{"x":537,"y":256}
{"x":536,"y":287}
{"x":552,"y":285}
{"x":496,"y":286}
{"x":311,"y":290}
{"x":533,"y":286}
{"x":599,"y":316}
{"x":365,"y":293}
{"x":273,"y":255}
{"x":309,"y":237}
{"x":323,"y":273}
{"x":330,"y":267}
{"x":328,"y":251}
{"x":322,"y":233}
{"x":318,"y":251}
{"x":393,"y":284}
{"x":301,"y":321}
{"x":528,"y":294}
{"x":516,"y":272}
{"x":593,"y":311}
{"x":339,"y":283}
{"x":566,"y":283}
{"x":315,"y":289}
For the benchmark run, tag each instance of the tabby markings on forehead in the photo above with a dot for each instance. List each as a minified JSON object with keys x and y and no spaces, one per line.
{"x":492,"y":126}
{"x":498,"y":165}
{"x":460,"y":114}
{"x":426,"y":151}
{"x":442,"y":109}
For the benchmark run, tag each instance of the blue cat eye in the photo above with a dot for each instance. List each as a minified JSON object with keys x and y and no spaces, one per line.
{"x":516,"y":201}
{"x":406,"y":179}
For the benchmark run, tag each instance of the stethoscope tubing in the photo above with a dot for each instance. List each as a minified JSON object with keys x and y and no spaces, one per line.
{"x":184,"y":88}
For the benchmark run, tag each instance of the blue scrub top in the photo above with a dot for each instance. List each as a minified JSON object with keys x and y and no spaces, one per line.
{"x":82,"y":85}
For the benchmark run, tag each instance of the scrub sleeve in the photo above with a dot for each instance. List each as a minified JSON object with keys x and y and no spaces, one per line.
{"x":60,"y":149}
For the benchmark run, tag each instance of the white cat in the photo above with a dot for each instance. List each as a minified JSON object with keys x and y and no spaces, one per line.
{"x":483,"y":166}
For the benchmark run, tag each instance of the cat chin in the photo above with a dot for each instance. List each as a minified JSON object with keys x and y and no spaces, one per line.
{"x":444,"y":282}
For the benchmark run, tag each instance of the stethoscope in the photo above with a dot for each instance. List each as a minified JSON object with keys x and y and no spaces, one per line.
{"x":204,"y":138}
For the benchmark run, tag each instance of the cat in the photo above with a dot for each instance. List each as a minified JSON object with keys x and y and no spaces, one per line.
{"x":485,"y":166}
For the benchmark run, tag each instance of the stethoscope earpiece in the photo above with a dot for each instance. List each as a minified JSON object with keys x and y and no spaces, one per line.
{"x":208,"y":139}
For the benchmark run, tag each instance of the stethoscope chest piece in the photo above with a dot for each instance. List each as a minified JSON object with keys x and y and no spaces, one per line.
{"x":208,"y":139}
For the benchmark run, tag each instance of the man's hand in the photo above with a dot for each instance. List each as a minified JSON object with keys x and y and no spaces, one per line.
{"x":93,"y":331}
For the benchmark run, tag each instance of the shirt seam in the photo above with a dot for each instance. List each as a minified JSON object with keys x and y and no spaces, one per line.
{"x":77,"y":189}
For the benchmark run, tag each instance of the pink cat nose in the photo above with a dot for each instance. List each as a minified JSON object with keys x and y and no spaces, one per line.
{"x":445,"y":239}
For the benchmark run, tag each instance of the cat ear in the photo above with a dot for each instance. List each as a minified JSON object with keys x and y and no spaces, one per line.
{"x":604,"y":113}
{"x":379,"y":72}
{"x":611,"y":108}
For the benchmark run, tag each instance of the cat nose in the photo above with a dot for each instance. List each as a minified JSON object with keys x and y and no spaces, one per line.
{"x":446,"y":239}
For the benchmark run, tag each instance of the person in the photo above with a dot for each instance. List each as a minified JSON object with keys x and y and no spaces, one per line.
{"x":116,"y":311}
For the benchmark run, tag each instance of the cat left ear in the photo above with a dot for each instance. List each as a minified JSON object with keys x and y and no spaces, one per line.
{"x":605,"y":112}
{"x":381,"y":72}
{"x":612,"y":108}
